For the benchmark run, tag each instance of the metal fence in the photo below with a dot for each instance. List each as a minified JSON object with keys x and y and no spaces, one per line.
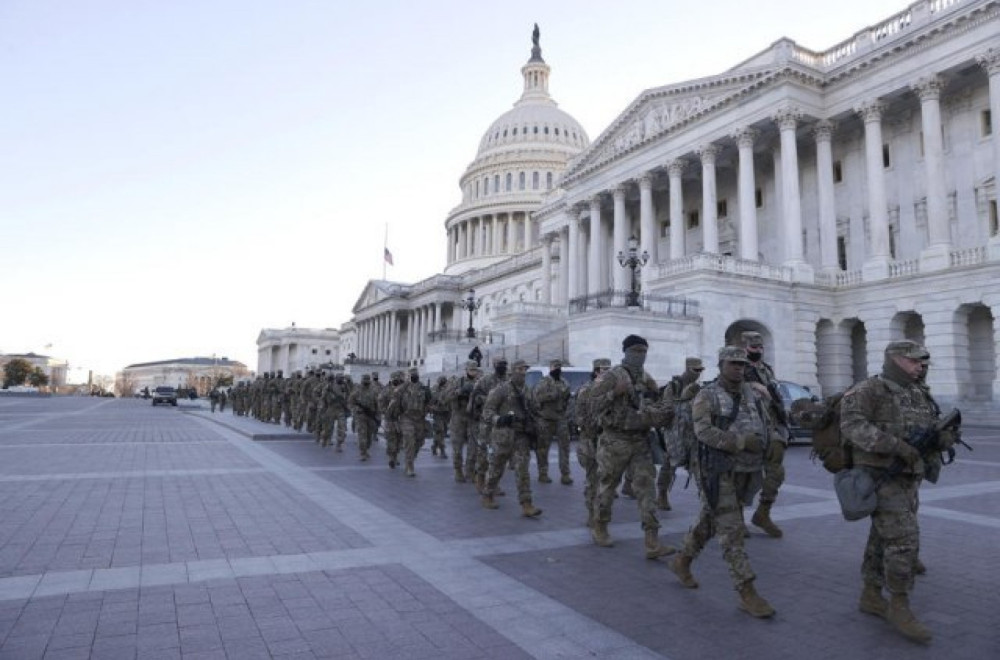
{"x":676,"y":306}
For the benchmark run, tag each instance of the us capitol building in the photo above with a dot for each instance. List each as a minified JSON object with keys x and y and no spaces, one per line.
{"x":832,"y":201}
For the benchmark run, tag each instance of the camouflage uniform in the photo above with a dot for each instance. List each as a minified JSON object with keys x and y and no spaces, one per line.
{"x":390,"y":418}
{"x":463,"y":424}
{"x":363,"y":402}
{"x":287,"y":396}
{"x":275,"y":391}
{"x":508,"y":410}
{"x":876,"y":416}
{"x":412,"y":400}
{"x":626,"y":402}
{"x":440,"y":414}
{"x":586,"y":449}
{"x":683,"y":389}
{"x":333,"y":414}
{"x":480,"y":391}
{"x":552,"y":395}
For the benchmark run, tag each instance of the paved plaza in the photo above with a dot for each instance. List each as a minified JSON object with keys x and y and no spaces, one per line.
{"x":128,"y":531}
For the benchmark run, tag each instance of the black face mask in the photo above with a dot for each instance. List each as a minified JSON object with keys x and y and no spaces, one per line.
{"x":754,"y":356}
{"x":556,"y":374}
{"x":414,"y":378}
{"x":501,"y":370}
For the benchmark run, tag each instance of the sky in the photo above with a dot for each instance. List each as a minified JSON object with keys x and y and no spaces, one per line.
{"x":177,"y":175}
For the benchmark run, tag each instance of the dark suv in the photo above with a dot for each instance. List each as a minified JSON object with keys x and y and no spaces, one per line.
{"x":165,"y":394}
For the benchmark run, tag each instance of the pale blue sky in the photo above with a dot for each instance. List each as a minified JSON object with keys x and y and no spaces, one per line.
{"x":176,"y":175}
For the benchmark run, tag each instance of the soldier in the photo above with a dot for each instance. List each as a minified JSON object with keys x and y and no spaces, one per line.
{"x":876,"y":417}
{"x":733,"y":429}
{"x":411,"y":401}
{"x":485,"y":425}
{"x":761,"y":374}
{"x":287,"y":398}
{"x":683,"y":389}
{"x":275,"y":391}
{"x":213,"y":398}
{"x":551,"y":395}
{"x":363,"y":402}
{"x":512,"y":423}
{"x":463,"y":424}
{"x":222,"y":399}
{"x":307,"y":402}
{"x":627,"y":403}
{"x":390,"y":418}
{"x":586,"y":450}
{"x":440,"y":413}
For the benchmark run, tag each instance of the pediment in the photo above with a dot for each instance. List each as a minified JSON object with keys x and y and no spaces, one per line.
{"x":660,"y":110}
{"x":378,"y":290}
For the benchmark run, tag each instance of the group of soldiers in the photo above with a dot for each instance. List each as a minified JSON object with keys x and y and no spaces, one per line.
{"x":729,"y":433}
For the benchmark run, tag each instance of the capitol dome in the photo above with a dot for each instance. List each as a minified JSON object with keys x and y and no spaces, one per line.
{"x":519,"y":161}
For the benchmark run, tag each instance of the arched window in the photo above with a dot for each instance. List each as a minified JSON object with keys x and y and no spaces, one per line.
{"x":486,"y":186}
{"x":557,"y":130}
{"x":477,"y":189}
{"x":520,"y":181}
{"x":510,"y":181}
{"x":534,"y":180}
{"x":515,"y":130}
{"x":496,"y":183}
{"x":548,"y":180}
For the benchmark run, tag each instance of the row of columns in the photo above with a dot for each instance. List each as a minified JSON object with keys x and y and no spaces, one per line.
{"x":490,"y":235}
{"x":379,"y":336}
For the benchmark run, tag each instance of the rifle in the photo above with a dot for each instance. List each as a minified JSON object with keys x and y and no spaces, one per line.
{"x":712,"y":462}
{"x":927,"y":442}
{"x":530,"y":423}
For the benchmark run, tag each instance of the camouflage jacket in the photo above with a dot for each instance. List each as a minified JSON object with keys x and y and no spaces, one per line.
{"x":333,"y":398}
{"x":626,"y":407}
{"x":506,"y":398}
{"x":712,"y":410}
{"x":458,"y":394}
{"x":363,"y":402}
{"x":412,"y":401}
{"x":552,"y":397}
{"x":584,"y":414}
{"x":384,"y":403}
{"x":480,"y":391}
{"x":878,"y":414}
{"x":439,"y":399}
{"x":308,"y":391}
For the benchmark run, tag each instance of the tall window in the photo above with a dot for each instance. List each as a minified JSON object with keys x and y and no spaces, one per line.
{"x":510,"y":181}
{"x":842,"y":252}
{"x":520,"y":181}
{"x":986,"y":123}
{"x":994,"y":219}
{"x":548,"y":180}
{"x":886,"y":160}
{"x":496,"y":183}
{"x":534,"y":180}
{"x":694,"y":219}
{"x":838,"y":172}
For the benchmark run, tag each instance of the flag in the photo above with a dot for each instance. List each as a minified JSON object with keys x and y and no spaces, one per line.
{"x":388,"y":257}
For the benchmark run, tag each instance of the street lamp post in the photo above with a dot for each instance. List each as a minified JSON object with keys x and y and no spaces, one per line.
{"x":471,"y":304}
{"x":633,"y":261}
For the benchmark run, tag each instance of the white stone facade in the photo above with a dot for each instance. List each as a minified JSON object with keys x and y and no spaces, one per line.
{"x":293,"y":349}
{"x":831,"y":200}
{"x":200,"y":373}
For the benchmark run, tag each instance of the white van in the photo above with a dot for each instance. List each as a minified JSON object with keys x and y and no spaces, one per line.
{"x":574,"y":376}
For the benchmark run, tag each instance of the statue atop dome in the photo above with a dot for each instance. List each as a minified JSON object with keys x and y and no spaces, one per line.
{"x":536,"y":49}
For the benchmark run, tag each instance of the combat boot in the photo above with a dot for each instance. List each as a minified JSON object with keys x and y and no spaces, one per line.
{"x":681,"y":566}
{"x":599,"y":532}
{"x":480,"y":481}
{"x":653,"y":548}
{"x":544,"y":479}
{"x":762,"y":518}
{"x":489,"y":503}
{"x":872,"y":601}
{"x":902,"y":619}
{"x":566,"y":480}
{"x":529,"y":510}
{"x":410,"y":472}
{"x":752,"y":603}
{"x":460,"y":477}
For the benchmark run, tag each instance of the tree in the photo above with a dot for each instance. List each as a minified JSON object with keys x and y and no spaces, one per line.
{"x":16,"y":372}
{"x":37,"y":378}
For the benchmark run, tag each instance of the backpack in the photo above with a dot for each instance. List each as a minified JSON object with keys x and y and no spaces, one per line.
{"x":823,"y":419}
{"x":680,"y":435}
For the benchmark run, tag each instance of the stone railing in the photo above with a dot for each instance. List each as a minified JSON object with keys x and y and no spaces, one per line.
{"x":724,"y":264}
{"x":439,"y":281}
{"x":519,"y":307}
{"x":904,"y":268}
{"x":511,"y":265}
{"x":840,"y":279}
{"x":479,"y":336}
{"x":673,"y":306}
{"x":968,"y":256}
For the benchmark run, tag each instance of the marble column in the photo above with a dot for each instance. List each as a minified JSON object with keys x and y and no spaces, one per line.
{"x":991,"y":62}
{"x":675,"y":169}
{"x":877,"y":260}
{"x":573,"y":288}
{"x":547,"y":269}
{"x":787,"y":120}
{"x":747,"y":185}
{"x":511,"y":234}
{"x":649,"y":237}
{"x":564,"y":259}
{"x":437,"y":318}
{"x":709,"y":210}
{"x":529,"y":232}
{"x":497,"y":235}
{"x":823,"y":132}
{"x":596,"y":253}
{"x":620,"y":281}
{"x":937,"y":254}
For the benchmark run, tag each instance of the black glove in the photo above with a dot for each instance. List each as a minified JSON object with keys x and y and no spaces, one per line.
{"x":753,"y":443}
{"x":504,"y":421}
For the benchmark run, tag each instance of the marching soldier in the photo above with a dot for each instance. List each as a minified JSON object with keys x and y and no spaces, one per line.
{"x":440,"y":414}
{"x":586,"y":450}
{"x":411,"y":402}
{"x":463,"y":424}
{"x":552,"y":396}
{"x":390,"y":418}
{"x":363,"y":402}
{"x":484,"y":425}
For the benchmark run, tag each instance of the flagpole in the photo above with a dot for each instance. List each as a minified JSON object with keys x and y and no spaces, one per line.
{"x":385,"y":246}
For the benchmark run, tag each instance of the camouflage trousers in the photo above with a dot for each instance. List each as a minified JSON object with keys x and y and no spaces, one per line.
{"x":894,"y":537}
{"x":412,"y":434}
{"x":312,"y":415}
{"x":440,"y":426}
{"x":505,"y":445}
{"x":392,"y":438}
{"x":463,"y":437}
{"x":549,"y":430}
{"x":615,"y":455}
{"x":774,"y":471}
{"x":366,"y":429}
{"x":481,"y":462}
{"x":665,"y":478}
{"x":286,"y":412}
{"x":725,"y":521}
{"x":586,"y":454}
{"x":330,"y":422}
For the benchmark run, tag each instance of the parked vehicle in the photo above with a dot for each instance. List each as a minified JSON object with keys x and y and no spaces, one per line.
{"x":165,"y":394}
{"x":791,"y":392}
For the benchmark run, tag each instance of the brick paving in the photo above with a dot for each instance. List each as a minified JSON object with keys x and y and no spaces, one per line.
{"x":133,"y":532}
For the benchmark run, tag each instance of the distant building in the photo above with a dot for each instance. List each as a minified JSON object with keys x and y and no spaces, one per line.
{"x":200,"y":373}
{"x":296,"y":349}
{"x":54,"y":368}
